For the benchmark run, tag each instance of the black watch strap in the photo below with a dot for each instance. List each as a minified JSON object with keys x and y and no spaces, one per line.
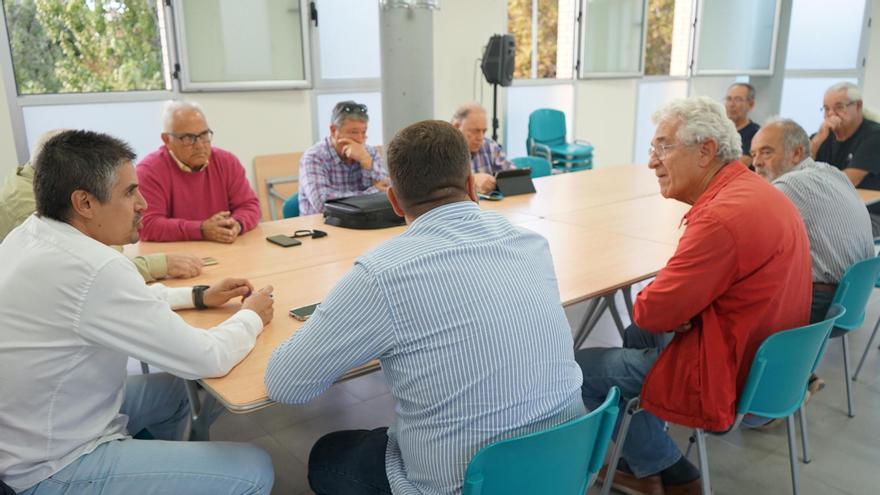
{"x":199,"y":296}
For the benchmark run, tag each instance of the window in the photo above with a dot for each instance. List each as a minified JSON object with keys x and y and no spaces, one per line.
{"x":543,"y":31}
{"x":348,"y":39}
{"x":612,"y":37}
{"x":229,"y":44}
{"x":85,"y":47}
{"x":667,"y":37}
{"x":728,"y":47}
{"x":840,"y":21}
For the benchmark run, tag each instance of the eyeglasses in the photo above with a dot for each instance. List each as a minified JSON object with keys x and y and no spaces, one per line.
{"x":661,"y":150}
{"x":191,"y":139}
{"x":354,"y":108}
{"x":735,"y":99}
{"x":314,"y":234}
{"x":836,"y":108}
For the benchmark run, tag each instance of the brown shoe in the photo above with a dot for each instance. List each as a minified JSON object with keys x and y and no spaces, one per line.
{"x":691,"y":488}
{"x":630,"y":485}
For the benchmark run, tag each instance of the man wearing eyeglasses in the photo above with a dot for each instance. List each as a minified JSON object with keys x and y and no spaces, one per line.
{"x":740,"y":100}
{"x":342,"y":164}
{"x":194,"y":191}
{"x":740,"y":272}
{"x":487,"y":156}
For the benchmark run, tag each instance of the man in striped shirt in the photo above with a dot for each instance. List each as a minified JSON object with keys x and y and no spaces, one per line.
{"x":487,"y":157}
{"x":341,"y":165}
{"x":836,"y":219}
{"x":463,"y":312}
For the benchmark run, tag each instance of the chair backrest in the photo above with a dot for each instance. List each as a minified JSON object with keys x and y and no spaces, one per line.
{"x":778,"y":378}
{"x":560,"y":460}
{"x":540,"y":166}
{"x":284,"y":166}
{"x":291,"y":207}
{"x":547,"y":126}
{"x":854,"y":290}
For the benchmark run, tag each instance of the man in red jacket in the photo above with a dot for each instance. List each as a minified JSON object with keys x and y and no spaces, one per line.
{"x":193,"y":190}
{"x":741,"y":272}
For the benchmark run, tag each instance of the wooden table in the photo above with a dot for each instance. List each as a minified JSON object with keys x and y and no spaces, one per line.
{"x":869,"y":196}
{"x":593,"y":255}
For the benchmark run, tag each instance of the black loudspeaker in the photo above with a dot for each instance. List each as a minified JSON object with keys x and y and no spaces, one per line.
{"x":498,"y":60}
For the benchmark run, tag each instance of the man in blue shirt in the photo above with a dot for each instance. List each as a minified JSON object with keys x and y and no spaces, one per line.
{"x":463,"y":312}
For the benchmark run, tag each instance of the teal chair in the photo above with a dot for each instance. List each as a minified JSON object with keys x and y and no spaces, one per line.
{"x":291,"y":207}
{"x":852,"y":293}
{"x":547,"y":139}
{"x":775,"y":388}
{"x":561,"y":460}
{"x":871,"y":339}
{"x":540,"y":166}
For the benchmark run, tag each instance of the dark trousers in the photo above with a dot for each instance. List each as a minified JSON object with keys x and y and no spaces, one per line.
{"x":350,"y":462}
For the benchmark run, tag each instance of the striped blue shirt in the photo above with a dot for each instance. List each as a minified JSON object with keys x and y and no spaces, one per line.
{"x":463,"y":312}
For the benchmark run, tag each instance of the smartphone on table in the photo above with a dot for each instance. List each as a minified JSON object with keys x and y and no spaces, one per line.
{"x":303,"y":313}
{"x":283,"y":240}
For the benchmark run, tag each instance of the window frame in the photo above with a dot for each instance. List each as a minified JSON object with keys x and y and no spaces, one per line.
{"x":180,"y":65}
{"x":582,"y":73}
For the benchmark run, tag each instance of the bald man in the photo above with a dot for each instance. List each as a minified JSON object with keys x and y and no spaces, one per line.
{"x":487,"y":156}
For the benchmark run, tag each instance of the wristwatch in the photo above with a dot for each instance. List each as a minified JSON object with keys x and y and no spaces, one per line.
{"x":199,"y":296}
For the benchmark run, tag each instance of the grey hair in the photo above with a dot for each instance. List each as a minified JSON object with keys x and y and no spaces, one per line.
{"x":463,"y":111}
{"x":750,"y":90}
{"x":340,"y":114}
{"x":793,"y":135}
{"x":702,"y":118}
{"x":174,"y":106}
{"x":853,"y":93}
{"x":76,"y":160}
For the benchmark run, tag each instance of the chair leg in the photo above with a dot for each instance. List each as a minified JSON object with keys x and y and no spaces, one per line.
{"x":802,"y":416}
{"x":612,"y":306}
{"x":705,"y":483}
{"x":631,"y":409}
{"x":867,"y":348}
{"x":792,"y":454}
{"x":145,"y":368}
{"x":849,"y":399}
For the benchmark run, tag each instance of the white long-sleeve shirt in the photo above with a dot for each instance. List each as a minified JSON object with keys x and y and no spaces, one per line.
{"x":72,"y":310}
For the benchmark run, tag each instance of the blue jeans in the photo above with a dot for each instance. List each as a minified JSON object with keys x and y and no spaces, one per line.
{"x":350,"y":462}
{"x":647,"y":448}
{"x":157,"y":403}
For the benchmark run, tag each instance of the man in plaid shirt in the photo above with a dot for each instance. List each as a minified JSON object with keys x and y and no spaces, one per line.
{"x":487,"y":156}
{"x":341,"y":165}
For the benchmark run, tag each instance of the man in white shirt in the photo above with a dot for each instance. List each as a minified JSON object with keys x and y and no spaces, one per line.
{"x":74,"y":310}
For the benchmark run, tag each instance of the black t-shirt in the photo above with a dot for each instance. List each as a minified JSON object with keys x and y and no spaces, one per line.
{"x":861,"y":151}
{"x":747,"y":133}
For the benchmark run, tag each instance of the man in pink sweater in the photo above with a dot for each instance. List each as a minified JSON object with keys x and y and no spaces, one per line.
{"x":193,"y":190}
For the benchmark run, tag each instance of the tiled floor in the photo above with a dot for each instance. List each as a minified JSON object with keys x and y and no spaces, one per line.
{"x":846,"y":451}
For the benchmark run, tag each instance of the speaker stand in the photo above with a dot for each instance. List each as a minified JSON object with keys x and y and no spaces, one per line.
{"x":495,"y":113}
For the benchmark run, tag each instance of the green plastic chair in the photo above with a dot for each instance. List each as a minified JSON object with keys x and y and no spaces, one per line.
{"x":290,"y":208}
{"x":547,"y":139}
{"x":775,"y":388}
{"x":540,"y":166}
{"x":871,"y":339}
{"x":852,"y":293}
{"x":561,"y":460}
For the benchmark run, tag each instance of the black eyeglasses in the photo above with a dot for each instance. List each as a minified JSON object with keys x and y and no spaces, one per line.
{"x":314,"y":234}
{"x":191,"y":139}
{"x":354,"y":108}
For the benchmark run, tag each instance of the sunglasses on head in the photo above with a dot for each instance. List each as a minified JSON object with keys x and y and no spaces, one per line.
{"x":314,"y":234}
{"x":354,"y":108}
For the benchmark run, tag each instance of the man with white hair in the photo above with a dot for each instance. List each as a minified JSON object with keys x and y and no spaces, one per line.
{"x":740,"y":273}
{"x":487,"y":156}
{"x":342,"y":164}
{"x":194,"y":190}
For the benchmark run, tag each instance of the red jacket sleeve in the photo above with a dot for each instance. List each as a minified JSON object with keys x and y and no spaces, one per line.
{"x":703,"y":267}
{"x":243,"y":203}
{"x":157,"y":225}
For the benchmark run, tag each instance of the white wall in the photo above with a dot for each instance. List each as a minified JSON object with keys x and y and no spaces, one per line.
{"x":461,"y":30}
{"x":605,"y":112}
{"x":8,"y":156}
